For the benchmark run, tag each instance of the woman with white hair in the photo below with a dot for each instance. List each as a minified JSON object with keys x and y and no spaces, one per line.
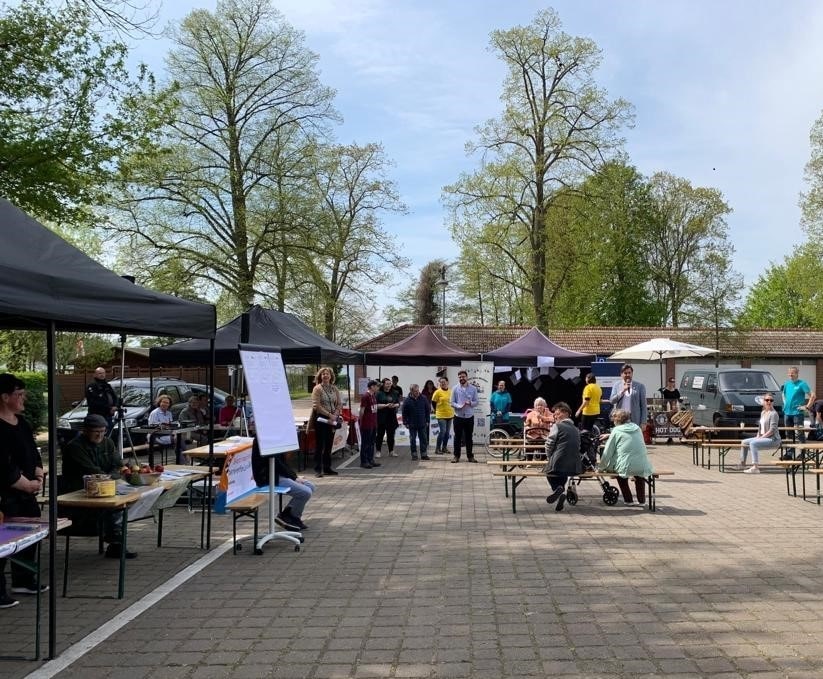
{"x":625,"y":454}
{"x":536,"y":426}
{"x":538,"y":421}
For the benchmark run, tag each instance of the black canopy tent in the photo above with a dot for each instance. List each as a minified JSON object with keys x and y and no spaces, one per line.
{"x":47,"y":284}
{"x":298,"y":343}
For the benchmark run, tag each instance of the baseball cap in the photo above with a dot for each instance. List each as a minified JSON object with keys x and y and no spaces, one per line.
{"x":9,"y":383}
{"x":95,"y":422}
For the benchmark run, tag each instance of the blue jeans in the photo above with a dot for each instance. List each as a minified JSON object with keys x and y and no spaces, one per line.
{"x":756,"y":444}
{"x":421,"y":434}
{"x":300,"y":494}
{"x":367,"y":437}
{"x":445,"y":426}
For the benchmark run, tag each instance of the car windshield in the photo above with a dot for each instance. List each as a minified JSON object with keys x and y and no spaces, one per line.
{"x":748,"y":381}
{"x":135,"y":396}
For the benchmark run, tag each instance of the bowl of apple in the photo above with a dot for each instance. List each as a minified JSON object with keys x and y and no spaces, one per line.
{"x":142,"y":475}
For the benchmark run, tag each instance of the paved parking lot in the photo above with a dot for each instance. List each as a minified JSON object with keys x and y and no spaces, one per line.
{"x":421,"y":570}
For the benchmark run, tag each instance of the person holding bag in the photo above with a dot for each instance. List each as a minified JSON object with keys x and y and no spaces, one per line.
{"x":325,"y":415}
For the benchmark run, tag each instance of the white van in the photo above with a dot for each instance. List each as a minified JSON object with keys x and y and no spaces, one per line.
{"x":728,"y":397}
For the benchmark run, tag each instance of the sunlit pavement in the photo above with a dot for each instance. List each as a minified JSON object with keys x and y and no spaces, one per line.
{"x":420,"y":569}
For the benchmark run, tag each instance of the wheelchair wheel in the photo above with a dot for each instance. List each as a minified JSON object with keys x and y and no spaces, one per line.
{"x":610,"y":496}
{"x":571,"y":496}
{"x":496,"y":435}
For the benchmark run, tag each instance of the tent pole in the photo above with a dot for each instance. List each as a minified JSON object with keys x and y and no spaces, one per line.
{"x":120,"y":412}
{"x":212,"y":370}
{"x":50,"y":360}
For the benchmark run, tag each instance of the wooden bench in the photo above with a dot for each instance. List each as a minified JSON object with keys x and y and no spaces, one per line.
{"x":248,"y":506}
{"x":520,"y":470}
{"x":817,"y":473}
{"x":791,"y":467}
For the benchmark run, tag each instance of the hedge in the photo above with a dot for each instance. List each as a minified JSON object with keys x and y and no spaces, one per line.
{"x":36,"y":412}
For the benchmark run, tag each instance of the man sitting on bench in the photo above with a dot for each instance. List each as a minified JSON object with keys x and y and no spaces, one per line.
{"x":563,"y":453}
{"x":300,"y":489}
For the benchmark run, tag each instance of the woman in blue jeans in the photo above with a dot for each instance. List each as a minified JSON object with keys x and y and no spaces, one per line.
{"x":443,"y":411}
{"x":768,"y":436}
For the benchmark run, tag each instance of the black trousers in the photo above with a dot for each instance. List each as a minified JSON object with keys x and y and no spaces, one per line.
{"x":324,"y":438}
{"x":463,"y":432}
{"x":588,"y":421}
{"x":387,"y":430}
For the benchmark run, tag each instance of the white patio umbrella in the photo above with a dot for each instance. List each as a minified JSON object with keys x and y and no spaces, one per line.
{"x":659,"y":348}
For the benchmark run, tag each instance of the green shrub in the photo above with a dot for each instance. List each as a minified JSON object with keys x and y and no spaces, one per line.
{"x":36,"y":404}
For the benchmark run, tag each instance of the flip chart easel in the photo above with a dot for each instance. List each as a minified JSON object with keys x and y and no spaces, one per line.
{"x":274,"y":422}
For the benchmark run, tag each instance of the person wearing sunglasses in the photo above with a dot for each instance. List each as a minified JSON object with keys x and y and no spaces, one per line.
{"x":768,"y":436}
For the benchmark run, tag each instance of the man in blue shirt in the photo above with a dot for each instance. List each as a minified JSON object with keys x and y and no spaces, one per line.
{"x":797,"y":397}
{"x":464,"y":401}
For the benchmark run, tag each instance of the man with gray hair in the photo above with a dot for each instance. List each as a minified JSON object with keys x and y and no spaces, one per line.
{"x":416,"y":414}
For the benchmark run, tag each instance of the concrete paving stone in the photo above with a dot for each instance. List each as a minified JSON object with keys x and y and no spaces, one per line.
{"x":447,"y":670}
{"x":285,"y":671}
{"x":168,"y":673}
{"x":692,"y":586}
{"x":550,"y":668}
{"x":413,"y":671}
{"x":635,"y":667}
{"x":372,"y":670}
{"x":250,"y":671}
{"x":330,"y":657}
{"x":211,"y":672}
{"x":518,"y":653}
{"x":556,"y":653}
{"x":270,"y":644}
{"x":714,"y":666}
{"x":415,"y":655}
{"x":222,"y":657}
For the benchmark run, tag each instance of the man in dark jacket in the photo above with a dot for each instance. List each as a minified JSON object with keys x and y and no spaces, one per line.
{"x":100,"y":397}
{"x":562,"y":453}
{"x":300,"y":489}
{"x":416,"y":414}
{"x":93,"y":453}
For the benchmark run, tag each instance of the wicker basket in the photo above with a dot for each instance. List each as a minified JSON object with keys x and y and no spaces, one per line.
{"x":99,"y":485}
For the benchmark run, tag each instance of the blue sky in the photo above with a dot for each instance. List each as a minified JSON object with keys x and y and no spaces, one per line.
{"x":725,"y":94}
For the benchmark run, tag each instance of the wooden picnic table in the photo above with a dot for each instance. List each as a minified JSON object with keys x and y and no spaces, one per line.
{"x":125,"y":497}
{"x":519,"y":470}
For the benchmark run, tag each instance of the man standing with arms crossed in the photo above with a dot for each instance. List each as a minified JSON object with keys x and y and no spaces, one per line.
{"x":797,"y":397}
{"x":100,"y":397}
{"x":464,"y":401}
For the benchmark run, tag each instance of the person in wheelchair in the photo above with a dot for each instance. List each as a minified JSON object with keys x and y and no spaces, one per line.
{"x":537,"y":424}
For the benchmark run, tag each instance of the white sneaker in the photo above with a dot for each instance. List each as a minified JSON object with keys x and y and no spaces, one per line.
{"x":752,"y":470}
{"x":377,"y":453}
{"x":393,"y":454}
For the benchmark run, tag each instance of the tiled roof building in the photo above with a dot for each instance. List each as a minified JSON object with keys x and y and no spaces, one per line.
{"x":788,"y":343}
